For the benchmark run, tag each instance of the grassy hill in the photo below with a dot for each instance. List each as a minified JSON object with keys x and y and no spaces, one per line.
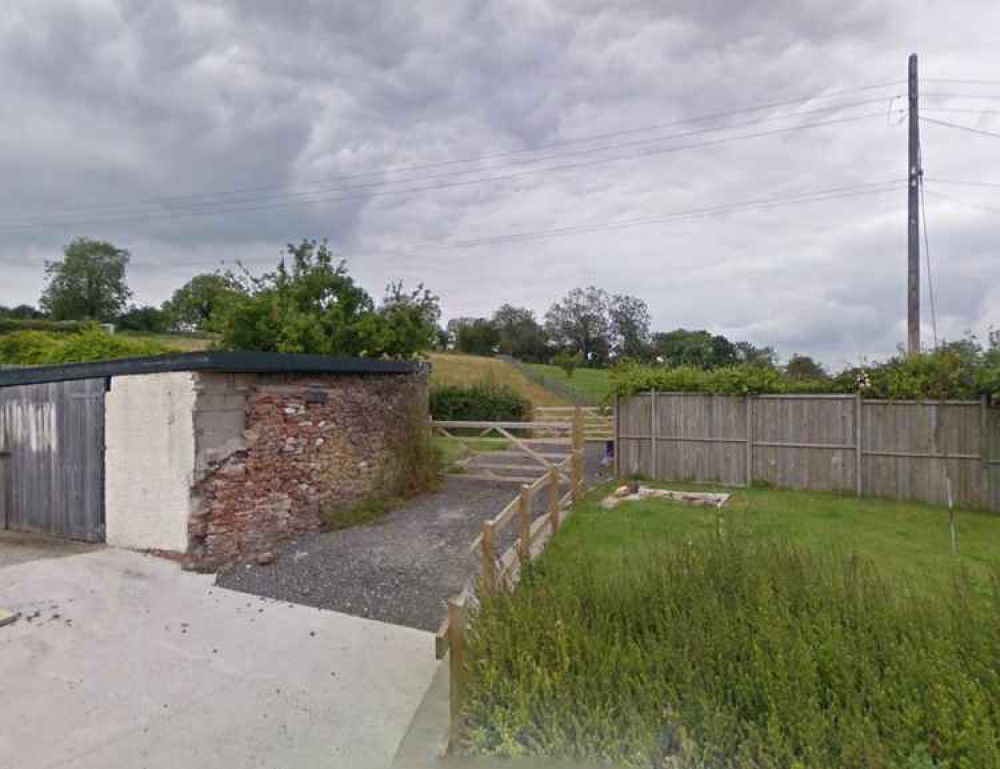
{"x":593,"y":383}
{"x":463,"y":370}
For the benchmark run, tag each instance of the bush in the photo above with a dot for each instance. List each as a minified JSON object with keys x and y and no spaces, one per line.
{"x":731,"y":652}
{"x":147,"y":319}
{"x":37,"y":348}
{"x":483,"y":401}
{"x":13,"y":325}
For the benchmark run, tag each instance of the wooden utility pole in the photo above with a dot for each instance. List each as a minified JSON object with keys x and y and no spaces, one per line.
{"x":913,"y":218}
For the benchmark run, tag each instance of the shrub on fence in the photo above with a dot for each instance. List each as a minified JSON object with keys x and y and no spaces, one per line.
{"x":483,"y":401}
{"x":728,"y":653}
{"x":952,"y":372}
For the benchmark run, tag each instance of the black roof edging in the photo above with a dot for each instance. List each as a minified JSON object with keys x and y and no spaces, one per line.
{"x":222,"y":361}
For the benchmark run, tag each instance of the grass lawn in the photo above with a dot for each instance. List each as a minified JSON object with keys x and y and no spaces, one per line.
{"x":907,"y":538}
{"x":785,"y":630}
{"x":464,"y":370}
{"x":592,"y":382}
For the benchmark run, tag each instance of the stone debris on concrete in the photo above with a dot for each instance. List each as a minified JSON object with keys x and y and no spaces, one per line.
{"x":634,"y":493}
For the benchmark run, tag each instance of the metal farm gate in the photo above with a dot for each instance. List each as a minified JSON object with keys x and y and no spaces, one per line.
{"x":52,"y":458}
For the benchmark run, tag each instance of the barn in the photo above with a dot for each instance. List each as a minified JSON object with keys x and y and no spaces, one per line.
{"x":207,"y":455}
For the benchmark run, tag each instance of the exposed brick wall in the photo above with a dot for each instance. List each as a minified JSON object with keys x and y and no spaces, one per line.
{"x":306,"y":443}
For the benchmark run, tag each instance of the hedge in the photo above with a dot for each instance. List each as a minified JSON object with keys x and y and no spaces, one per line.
{"x":38,"y":348}
{"x":483,"y":401}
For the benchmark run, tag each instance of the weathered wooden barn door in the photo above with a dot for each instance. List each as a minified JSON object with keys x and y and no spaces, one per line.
{"x":52,"y":466}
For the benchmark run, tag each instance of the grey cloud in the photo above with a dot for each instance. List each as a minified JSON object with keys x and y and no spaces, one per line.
{"x":124,"y":101}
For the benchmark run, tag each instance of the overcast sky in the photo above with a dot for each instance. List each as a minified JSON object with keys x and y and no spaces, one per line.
{"x":195,"y":133}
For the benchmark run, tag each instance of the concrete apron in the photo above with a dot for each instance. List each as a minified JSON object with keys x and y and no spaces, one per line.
{"x":128,"y":661}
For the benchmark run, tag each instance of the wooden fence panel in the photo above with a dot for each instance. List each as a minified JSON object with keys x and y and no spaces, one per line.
{"x":633,"y":441}
{"x":907,"y":450}
{"x":805,"y":442}
{"x":911,"y":448}
{"x":701,"y":437}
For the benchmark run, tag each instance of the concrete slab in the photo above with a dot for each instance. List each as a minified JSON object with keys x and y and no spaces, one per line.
{"x":125,"y":660}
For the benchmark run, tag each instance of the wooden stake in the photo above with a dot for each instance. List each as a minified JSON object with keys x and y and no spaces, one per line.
{"x":489,"y":556}
{"x":554,"y":499}
{"x":457,"y":620}
{"x":524,"y":523}
{"x":577,"y":476}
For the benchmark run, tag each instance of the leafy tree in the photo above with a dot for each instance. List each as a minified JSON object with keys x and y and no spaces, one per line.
{"x":474,"y":336}
{"x":755,"y":356}
{"x":700,"y":349}
{"x":313,"y":305}
{"x":580,"y":321}
{"x":568,"y":361}
{"x":804,"y":367}
{"x":405,"y":322}
{"x":21,"y":312}
{"x":203,"y":302}
{"x":148,"y":319}
{"x":89,"y":282}
{"x":630,"y":320}
{"x":520,"y":335}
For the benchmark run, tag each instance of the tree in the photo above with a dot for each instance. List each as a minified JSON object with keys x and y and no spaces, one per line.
{"x":700,"y":348}
{"x":568,"y":361}
{"x":746,"y":352}
{"x":21,"y":312}
{"x":580,"y":321}
{"x":89,"y":282}
{"x":474,"y":336}
{"x":203,"y":302}
{"x":314,"y":306}
{"x":148,"y":319}
{"x":629,"y":318}
{"x":405,"y":322}
{"x":520,"y":335}
{"x":804,"y":367}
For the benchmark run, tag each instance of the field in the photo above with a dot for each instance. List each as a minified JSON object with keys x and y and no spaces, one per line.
{"x":173,"y":342}
{"x":592,"y":383}
{"x":465,"y":370}
{"x":785,"y":630}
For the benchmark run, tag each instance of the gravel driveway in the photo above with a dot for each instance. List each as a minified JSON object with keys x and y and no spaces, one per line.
{"x":401,"y":570}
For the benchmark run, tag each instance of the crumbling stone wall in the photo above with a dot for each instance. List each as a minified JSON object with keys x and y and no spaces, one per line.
{"x":273,"y":451}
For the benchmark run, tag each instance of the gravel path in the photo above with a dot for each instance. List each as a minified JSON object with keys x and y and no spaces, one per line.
{"x":402,"y":569}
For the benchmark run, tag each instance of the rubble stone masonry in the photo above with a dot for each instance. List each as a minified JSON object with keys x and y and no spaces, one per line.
{"x":274,"y":451}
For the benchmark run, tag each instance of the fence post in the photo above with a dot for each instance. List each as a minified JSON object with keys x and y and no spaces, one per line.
{"x":984,"y":449}
{"x":858,"y":453}
{"x":524,"y":523}
{"x":617,"y":431}
{"x":652,"y":435}
{"x":456,"y":669}
{"x":576,"y":476}
{"x":554,"y":499}
{"x":577,"y":428}
{"x":489,"y":556}
{"x":749,"y":441}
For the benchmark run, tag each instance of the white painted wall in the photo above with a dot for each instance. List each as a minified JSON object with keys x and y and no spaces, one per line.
{"x":149,"y":460}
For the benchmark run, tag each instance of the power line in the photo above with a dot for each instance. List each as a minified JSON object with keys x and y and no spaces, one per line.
{"x":19,"y":218}
{"x":959,"y":126}
{"x":832,"y":193}
{"x":965,"y":203}
{"x":966,"y":81}
{"x":963,"y":182}
{"x":960,"y":110}
{"x":566,"y":142}
{"x":953,"y":95}
{"x":207,"y":211}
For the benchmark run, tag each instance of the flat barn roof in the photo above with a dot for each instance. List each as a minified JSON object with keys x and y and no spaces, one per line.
{"x":231,"y":362}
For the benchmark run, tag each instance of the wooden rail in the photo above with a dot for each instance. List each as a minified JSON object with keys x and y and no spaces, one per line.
{"x":598,"y":423}
{"x":502,"y":571}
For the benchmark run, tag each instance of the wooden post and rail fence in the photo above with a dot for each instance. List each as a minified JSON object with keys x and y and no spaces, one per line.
{"x":501,"y":571}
